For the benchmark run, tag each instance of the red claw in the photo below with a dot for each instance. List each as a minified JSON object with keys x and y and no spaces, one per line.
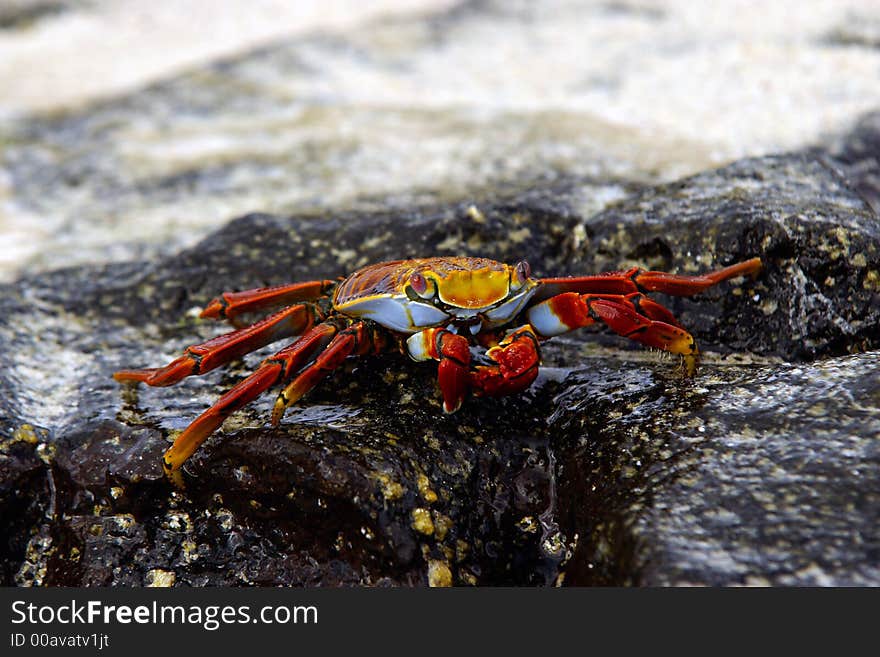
{"x":455,"y":358}
{"x":518,"y":360}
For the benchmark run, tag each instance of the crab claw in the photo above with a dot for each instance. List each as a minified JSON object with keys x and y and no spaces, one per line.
{"x":517,"y":359}
{"x":454,"y":384}
{"x":453,"y":352}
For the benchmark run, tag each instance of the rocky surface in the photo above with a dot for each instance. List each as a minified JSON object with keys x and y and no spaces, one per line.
{"x":485,"y":128}
{"x":611,"y":469}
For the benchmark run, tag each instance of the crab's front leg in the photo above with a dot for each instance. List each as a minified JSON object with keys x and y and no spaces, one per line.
{"x":320,"y":350}
{"x":633,"y":316}
{"x":359,"y":339}
{"x":453,"y":352}
{"x":278,"y":367}
{"x":204,"y":357}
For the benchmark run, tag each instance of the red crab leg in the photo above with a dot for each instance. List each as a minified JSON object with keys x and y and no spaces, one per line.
{"x":639,"y":280}
{"x":628,"y":316}
{"x":204,"y":357}
{"x":518,"y":358}
{"x":230,"y":304}
{"x":272,"y":370}
{"x":642,"y":305}
{"x":356,"y":339}
{"x":453,"y":372}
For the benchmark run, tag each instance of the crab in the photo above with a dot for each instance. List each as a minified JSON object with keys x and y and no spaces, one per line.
{"x":435,"y":309}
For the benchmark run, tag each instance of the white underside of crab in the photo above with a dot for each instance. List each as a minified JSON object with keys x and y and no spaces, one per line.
{"x":402,"y":314}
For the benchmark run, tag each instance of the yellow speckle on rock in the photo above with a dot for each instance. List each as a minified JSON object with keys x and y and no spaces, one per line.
{"x":442,"y":525}
{"x":769,"y":306}
{"x":817,"y":410}
{"x":177,"y":521}
{"x":373,"y":242}
{"x":160,"y":578}
{"x":425,"y":489}
{"x":431,"y":440}
{"x":189,"y":551}
{"x":344,"y":256}
{"x":124,"y":521}
{"x":116,"y":492}
{"x":421,"y":521}
{"x":528,"y":524}
{"x":580,"y":235}
{"x":225,"y":519}
{"x":859,"y":260}
{"x":25,"y":434}
{"x":391,"y":490}
{"x":475,"y":242}
{"x":872,"y":280}
{"x":519,"y":236}
{"x":439,"y":573}
{"x":452,"y":241}
{"x":474,"y":214}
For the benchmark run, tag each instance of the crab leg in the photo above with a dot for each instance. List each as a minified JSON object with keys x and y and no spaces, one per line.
{"x":206,"y":356}
{"x":357,"y":339}
{"x":230,"y":304}
{"x":272,"y":370}
{"x":639,"y":280}
{"x":453,"y":352}
{"x":517,"y":357}
{"x":626,"y":315}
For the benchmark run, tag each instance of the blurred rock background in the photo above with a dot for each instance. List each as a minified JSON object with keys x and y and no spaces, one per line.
{"x":131,"y":129}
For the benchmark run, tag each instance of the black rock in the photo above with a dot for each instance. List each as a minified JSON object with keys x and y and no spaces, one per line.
{"x":611,"y":469}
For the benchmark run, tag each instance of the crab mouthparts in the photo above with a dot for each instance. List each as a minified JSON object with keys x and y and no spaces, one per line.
{"x":472,"y":325}
{"x":462,"y":313}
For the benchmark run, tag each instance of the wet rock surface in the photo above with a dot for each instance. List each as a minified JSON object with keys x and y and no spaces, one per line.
{"x":611,"y":469}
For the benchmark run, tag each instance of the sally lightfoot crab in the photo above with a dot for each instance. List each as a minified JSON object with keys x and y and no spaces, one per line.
{"x":432,"y":309}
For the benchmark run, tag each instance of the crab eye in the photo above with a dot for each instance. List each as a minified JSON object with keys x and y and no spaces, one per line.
{"x":418,"y":287}
{"x":418,"y":283}
{"x":521,"y":273}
